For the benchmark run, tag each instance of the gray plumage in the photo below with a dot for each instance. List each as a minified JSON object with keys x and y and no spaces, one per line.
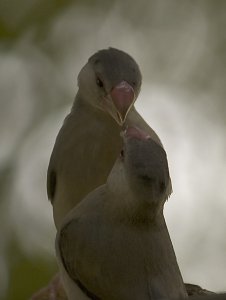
{"x":209,"y":297}
{"x":88,"y":142}
{"x":114,"y":245}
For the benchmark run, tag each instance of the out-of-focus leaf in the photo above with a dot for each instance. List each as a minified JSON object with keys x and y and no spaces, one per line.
{"x":27,"y":274}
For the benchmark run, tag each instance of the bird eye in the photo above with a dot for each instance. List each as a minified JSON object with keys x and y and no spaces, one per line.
{"x":122,"y":154}
{"x":99,"y":82}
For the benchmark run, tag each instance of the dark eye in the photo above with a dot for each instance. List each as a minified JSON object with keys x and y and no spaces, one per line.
{"x":99,"y":82}
{"x":122,"y":153}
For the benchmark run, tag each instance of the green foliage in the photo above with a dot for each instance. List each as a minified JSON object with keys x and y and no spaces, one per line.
{"x":28,"y":273}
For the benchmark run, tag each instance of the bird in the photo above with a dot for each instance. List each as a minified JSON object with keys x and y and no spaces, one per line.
{"x":213,"y":296}
{"x":115,"y":244}
{"x":88,"y":142}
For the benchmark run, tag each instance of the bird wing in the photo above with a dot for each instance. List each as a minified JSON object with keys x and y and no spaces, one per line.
{"x":76,"y":243}
{"x":70,"y":255}
{"x":56,"y":156}
{"x":51,"y":182}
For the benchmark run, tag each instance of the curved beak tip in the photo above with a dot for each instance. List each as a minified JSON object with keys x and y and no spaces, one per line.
{"x":123,"y":97}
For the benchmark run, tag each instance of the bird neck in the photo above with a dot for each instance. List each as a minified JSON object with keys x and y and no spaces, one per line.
{"x":127,"y":206}
{"x":94,"y":114}
{"x":81,"y":103}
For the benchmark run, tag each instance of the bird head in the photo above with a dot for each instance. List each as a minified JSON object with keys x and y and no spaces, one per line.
{"x":111,"y":82}
{"x":146,"y":167}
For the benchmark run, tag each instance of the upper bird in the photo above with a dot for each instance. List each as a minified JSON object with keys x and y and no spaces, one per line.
{"x":89,"y":142}
{"x":114,"y":244}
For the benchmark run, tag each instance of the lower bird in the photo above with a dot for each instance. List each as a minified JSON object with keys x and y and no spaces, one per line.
{"x":210,"y":297}
{"x":114,"y":245}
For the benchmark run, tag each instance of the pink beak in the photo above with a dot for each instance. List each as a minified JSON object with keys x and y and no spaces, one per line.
{"x":123,"y":97}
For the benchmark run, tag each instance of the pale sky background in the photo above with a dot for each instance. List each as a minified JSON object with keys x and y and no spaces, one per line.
{"x":181,"y":49}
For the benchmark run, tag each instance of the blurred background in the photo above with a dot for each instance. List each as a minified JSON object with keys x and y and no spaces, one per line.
{"x":180,"y":46}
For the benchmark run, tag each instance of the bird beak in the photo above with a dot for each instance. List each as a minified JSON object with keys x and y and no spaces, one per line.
{"x":119,"y":101}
